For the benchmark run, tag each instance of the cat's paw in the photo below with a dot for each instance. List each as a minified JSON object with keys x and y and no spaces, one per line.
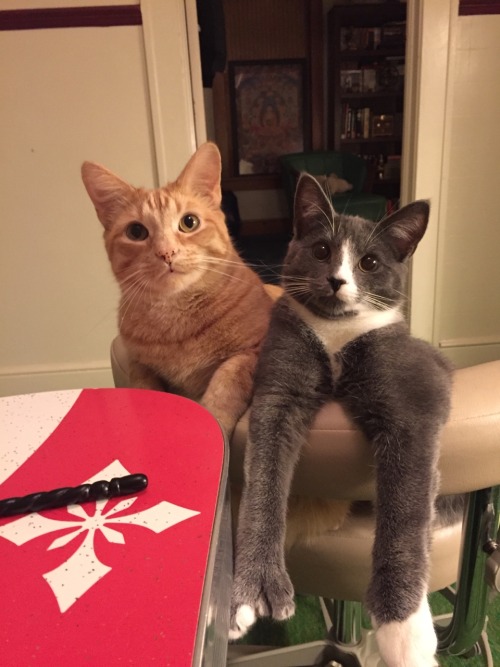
{"x":264,"y":593}
{"x":409,"y":643}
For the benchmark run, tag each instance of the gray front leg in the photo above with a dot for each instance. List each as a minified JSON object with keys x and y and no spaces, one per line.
{"x":401,"y":407}
{"x":262,"y":587}
{"x":292,"y":382}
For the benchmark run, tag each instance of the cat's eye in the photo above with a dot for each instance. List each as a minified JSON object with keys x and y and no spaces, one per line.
{"x":136,"y":231}
{"x":189,"y":223}
{"x":321,"y":251}
{"x":368,"y":263}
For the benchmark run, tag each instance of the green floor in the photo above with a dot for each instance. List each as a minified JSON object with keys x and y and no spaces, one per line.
{"x":308,"y":625}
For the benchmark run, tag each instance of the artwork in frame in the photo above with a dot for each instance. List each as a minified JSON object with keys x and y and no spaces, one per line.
{"x":268,"y":113}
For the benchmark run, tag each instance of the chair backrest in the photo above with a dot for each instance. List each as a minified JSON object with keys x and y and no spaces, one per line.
{"x":322,"y":163}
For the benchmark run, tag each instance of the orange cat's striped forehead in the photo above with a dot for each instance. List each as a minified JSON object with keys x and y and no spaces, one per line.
{"x":171,"y":203}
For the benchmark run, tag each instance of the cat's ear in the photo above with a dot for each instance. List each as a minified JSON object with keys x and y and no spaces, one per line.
{"x":203,"y":172}
{"x":405,"y":228}
{"x":311,"y":205}
{"x":108,"y":193}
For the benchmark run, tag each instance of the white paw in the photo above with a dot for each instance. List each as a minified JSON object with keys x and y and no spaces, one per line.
{"x":243,"y":620}
{"x":409,"y":643}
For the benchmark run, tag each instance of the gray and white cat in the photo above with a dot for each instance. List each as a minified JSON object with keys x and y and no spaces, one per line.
{"x":338,"y":332}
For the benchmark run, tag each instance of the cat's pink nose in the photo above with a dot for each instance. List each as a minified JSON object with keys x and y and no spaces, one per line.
{"x":167,"y":255}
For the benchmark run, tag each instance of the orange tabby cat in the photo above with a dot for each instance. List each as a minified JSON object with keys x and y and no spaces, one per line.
{"x":192,"y":314}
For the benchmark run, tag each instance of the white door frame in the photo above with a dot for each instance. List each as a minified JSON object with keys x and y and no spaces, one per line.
{"x":430,"y":32}
{"x":176,"y":95}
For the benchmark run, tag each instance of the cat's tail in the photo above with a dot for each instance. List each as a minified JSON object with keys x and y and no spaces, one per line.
{"x":449,"y":509}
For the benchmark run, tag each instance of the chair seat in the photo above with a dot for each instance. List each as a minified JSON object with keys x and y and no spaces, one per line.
{"x":337,"y":564}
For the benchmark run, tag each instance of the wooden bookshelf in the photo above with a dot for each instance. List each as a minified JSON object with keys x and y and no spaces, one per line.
{"x":366,"y":59}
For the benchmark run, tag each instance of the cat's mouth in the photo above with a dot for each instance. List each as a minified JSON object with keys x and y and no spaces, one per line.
{"x":346,"y":313}
{"x":331,"y":311}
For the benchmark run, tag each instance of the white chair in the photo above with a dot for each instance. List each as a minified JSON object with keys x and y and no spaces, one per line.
{"x":337,"y":463}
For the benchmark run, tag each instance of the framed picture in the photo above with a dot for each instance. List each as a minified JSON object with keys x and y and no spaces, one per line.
{"x":268,"y":113}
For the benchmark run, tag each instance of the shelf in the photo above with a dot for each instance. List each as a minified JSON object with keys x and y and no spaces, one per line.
{"x":355,"y":103}
{"x":371,"y":96}
{"x":371,"y":140}
{"x":376,"y":53}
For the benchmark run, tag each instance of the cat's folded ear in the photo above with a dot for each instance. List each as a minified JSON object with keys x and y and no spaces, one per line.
{"x":311,"y":205}
{"x":405,"y":228}
{"x":202,"y":173}
{"x":108,"y":193}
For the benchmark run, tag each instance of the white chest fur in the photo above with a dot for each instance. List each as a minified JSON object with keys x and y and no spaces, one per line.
{"x":334,"y":334}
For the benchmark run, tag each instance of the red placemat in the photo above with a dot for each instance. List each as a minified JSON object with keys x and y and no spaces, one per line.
{"x":113,"y":582}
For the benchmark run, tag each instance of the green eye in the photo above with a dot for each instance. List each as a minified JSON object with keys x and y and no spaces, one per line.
{"x":136,"y":231}
{"x":321,"y":251}
{"x":189,"y":223}
{"x":368,"y":263}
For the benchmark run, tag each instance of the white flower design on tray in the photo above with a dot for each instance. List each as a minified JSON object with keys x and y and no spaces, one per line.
{"x":75,"y":576}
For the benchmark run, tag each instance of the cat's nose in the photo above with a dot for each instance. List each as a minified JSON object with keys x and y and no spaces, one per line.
{"x":167,"y":255}
{"x":336,"y":283}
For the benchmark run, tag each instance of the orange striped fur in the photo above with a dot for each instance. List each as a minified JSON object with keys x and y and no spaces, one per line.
{"x":192,"y":313}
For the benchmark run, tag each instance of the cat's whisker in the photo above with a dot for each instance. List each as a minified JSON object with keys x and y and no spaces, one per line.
{"x":272,"y":267}
{"x":224,"y":273}
{"x":222,"y":260}
{"x":375,"y":228}
{"x":379,"y":305}
{"x":132,"y":294}
{"x":314,"y":206}
{"x":298,"y":291}
{"x":258,"y":266}
{"x":297,"y":283}
{"x":379,"y":296}
{"x":375,"y":233}
{"x":307,"y":279}
{"x":131,"y":277}
{"x":127,"y":301}
{"x":405,"y":295}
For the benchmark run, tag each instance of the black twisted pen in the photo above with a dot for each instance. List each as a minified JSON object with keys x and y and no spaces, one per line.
{"x":44,"y":500}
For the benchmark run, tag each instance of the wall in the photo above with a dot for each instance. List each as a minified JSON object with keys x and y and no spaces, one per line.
{"x":468,"y":304}
{"x":455,"y":155}
{"x":121,"y":96}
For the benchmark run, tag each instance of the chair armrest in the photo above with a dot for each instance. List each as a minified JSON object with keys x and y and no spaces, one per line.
{"x":355,"y":171}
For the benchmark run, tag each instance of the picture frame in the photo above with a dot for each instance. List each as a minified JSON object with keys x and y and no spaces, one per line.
{"x":268,"y":113}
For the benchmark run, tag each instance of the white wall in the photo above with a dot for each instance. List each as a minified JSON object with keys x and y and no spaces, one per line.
{"x":468,"y":303}
{"x":121,"y":96}
{"x":453,"y":159}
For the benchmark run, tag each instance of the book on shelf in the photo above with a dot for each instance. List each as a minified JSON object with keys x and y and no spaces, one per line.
{"x":360,"y":39}
{"x":387,"y":76}
{"x":390,"y":36}
{"x":355,"y":123}
{"x":351,"y":80}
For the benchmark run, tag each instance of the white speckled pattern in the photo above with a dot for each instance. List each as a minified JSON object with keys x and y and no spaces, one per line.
{"x":26,"y":421}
